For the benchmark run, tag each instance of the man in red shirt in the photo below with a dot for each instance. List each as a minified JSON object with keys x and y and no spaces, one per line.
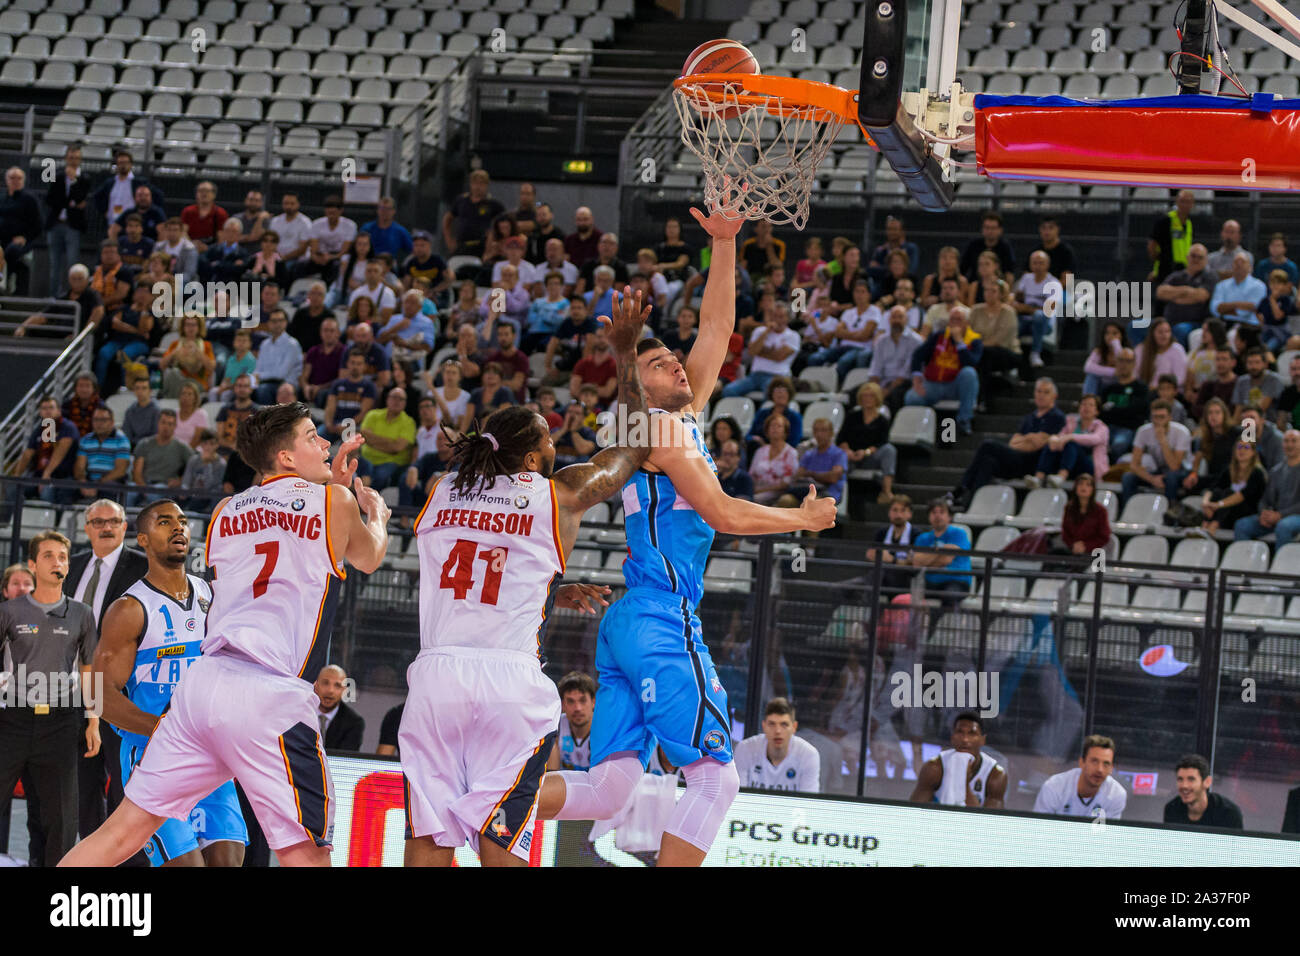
{"x":582,"y":245}
{"x":512,"y":361}
{"x":204,"y":218}
{"x":943,"y":368}
{"x":598,"y":368}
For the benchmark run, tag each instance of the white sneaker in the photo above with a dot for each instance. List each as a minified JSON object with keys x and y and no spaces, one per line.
{"x":1036,"y":360}
{"x":1055,"y":481}
{"x":1032,"y":482}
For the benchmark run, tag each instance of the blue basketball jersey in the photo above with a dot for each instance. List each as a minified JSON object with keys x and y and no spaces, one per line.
{"x":173,"y":633}
{"x":668,"y":542}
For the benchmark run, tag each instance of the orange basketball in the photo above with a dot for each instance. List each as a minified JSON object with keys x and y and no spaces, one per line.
{"x":721,"y":56}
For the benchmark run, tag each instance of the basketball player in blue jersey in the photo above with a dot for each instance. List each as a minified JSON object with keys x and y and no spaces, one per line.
{"x":656,"y":678}
{"x":149,"y":638}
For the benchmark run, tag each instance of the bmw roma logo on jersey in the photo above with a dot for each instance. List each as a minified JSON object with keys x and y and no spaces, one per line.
{"x":521,"y":501}
{"x":298,"y":504}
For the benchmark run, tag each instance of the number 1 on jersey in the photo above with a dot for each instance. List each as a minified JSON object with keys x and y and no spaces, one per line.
{"x":458,"y":571}
{"x":271,"y":551}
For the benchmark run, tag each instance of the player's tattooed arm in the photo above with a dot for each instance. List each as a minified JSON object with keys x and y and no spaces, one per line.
{"x":115,"y":659}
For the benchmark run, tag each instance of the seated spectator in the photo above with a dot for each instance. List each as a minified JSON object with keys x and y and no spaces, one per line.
{"x":1167,"y":389}
{"x":825,"y":465}
{"x":1085,"y":525}
{"x":1259,"y":386}
{"x":50,"y":452}
{"x":1124,"y":404}
{"x":183,"y":253}
{"x":133,"y":245}
{"x":854,"y":331}
{"x":944,"y":368}
{"x":349,"y":399}
{"x":1195,"y":804}
{"x":268,"y":263}
{"x":898,"y":267}
{"x":1277,"y":259}
{"x":774,"y":465}
{"x":389,"y":236}
{"x":509,"y":300}
{"x":547,"y":408}
{"x":103,"y":455}
{"x":949,"y":267}
{"x":1288,"y":403}
{"x":574,"y":441}
{"x":328,"y":239}
{"x":406,"y":377}
{"x":141,"y":420}
{"x":1160,"y":453}
{"x":293,"y":233}
{"x":843,"y":279}
{"x":590,"y":399}
{"x":553,"y":260}
{"x":991,"y":240}
{"x":513,"y":362}
{"x":465,"y":224}
{"x":898,"y":532}
{"x":722,"y":429}
{"x":450,"y":400}
{"x":1200,"y":364}
{"x":865,"y":439}
{"x":1088,"y":790}
{"x":606,"y":255}
{"x":1221,"y":387}
{"x":680,"y":339}
{"x":987,"y":267}
{"x":1279,"y":508}
{"x":504,"y":226}
{"x":188,"y":359}
{"x":1236,"y":297}
{"x":994,"y":320}
{"x":190,"y":416}
{"x":731,"y":365}
{"x":1235,"y":492}
{"x":488,"y":397}
{"x":1274,"y":310}
{"x":204,"y":473}
{"x":936,"y":315}
{"x":530,"y":276}
{"x":647,"y":265}
{"x":351,"y":271}
{"x":90,"y":308}
{"x":776,"y":759}
{"x":597,"y":368}
{"x":160,"y":461}
{"x":1018,"y":457}
{"x":390,"y":439}
{"x":378,"y":368}
{"x":81,"y":406}
{"x":1268,"y":438}
{"x":410,"y":335}
{"x":780,"y":393}
{"x":1186,"y":294}
{"x":466,"y":310}
{"x":1080,"y":448}
{"x":546,"y":314}
{"x":1159,"y":354}
{"x":239,"y":476}
{"x":374,"y":289}
{"x":111,"y":280}
{"x":203,"y":218}
{"x":128,"y":337}
{"x":151,"y":216}
{"x":952,"y":583}
{"x":433,"y":455}
{"x":1243,"y":338}
{"x":891,"y":358}
{"x":1214,"y":445}
{"x":232,"y":414}
{"x":228,"y":259}
{"x":600,"y":297}
{"x":322,"y":363}
{"x":963,"y":775}
{"x":424,"y":263}
{"x":735,"y":480}
{"x":772,"y":348}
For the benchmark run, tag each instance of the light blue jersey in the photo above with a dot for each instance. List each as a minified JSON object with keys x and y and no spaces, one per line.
{"x":668,"y":542}
{"x":657,"y":681}
{"x":167,"y":646}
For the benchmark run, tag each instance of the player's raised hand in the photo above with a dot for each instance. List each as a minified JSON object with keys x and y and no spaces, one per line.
{"x":372,"y":502}
{"x":725,"y":217}
{"x":818,"y":512}
{"x":580,"y":597}
{"x":343,"y":468}
{"x":628,"y":320}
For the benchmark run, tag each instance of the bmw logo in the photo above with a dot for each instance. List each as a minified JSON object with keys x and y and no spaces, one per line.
{"x":521,"y":501}
{"x":298,"y":504}
{"x":714,"y":740}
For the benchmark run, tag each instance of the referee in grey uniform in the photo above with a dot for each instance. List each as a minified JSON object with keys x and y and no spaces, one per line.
{"x":47,"y":642}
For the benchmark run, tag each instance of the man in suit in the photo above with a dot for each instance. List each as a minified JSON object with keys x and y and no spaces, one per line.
{"x":98,"y":577}
{"x":341,"y":727}
{"x":65,"y":218}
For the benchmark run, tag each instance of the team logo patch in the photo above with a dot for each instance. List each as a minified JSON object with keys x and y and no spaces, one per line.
{"x":789,"y":774}
{"x":298,"y":504}
{"x":714,"y":740}
{"x":301,"y":484}
{"x":190,"y":625}
{"x":717,"y":685}
{"x":526,"y":478}
{"x":521,"y":501}
{"x":204,"y":604}
{"x":526,"y":840}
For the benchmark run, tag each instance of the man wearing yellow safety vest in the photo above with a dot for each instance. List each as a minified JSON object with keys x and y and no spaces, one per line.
{"x":1171,"y":237}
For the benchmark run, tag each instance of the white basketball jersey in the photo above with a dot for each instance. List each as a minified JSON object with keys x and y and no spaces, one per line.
{"x":489,"y":564}
{"x":800,"y":770}
{"x":955,"y":768}
{"x":575,"y":752}
{"x":277,"y":577}
{"x":168,"y":645}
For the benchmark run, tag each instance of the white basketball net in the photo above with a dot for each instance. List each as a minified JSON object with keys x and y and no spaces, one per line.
{"x":772,"y":153}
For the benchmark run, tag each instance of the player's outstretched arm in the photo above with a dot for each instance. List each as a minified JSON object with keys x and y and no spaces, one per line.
{"x":718,"y":309}
{"x":362,"y":541}
{"x":678,"y":457}
{"x":927,"y":782}
{"x":578,"y":487}
{"x":115,"y":659}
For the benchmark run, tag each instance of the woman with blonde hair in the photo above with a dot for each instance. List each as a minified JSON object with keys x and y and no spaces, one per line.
{"x":988,"y":266}
{"x":775,"y":463}
{"x":1237,"y":490}
{"x":189,"y":359}
{"x":190,"y":417}
{"x":949,"y":267}
{"x":865,"y":439}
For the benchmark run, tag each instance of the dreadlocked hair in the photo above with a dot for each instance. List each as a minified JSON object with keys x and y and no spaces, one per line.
{"x":478,"y":464}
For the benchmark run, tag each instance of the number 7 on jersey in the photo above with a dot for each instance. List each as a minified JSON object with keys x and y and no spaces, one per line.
{"x":458,"y":570}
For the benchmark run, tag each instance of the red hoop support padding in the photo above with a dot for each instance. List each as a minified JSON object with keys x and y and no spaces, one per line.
{"x":1219,"y":142}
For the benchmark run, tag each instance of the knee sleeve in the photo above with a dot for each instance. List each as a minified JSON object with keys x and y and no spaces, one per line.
{"x":602,"y":791}
{"x":710,"y":789}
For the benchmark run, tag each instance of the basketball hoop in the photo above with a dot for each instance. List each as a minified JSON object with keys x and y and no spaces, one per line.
{"x":766,"y":134}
